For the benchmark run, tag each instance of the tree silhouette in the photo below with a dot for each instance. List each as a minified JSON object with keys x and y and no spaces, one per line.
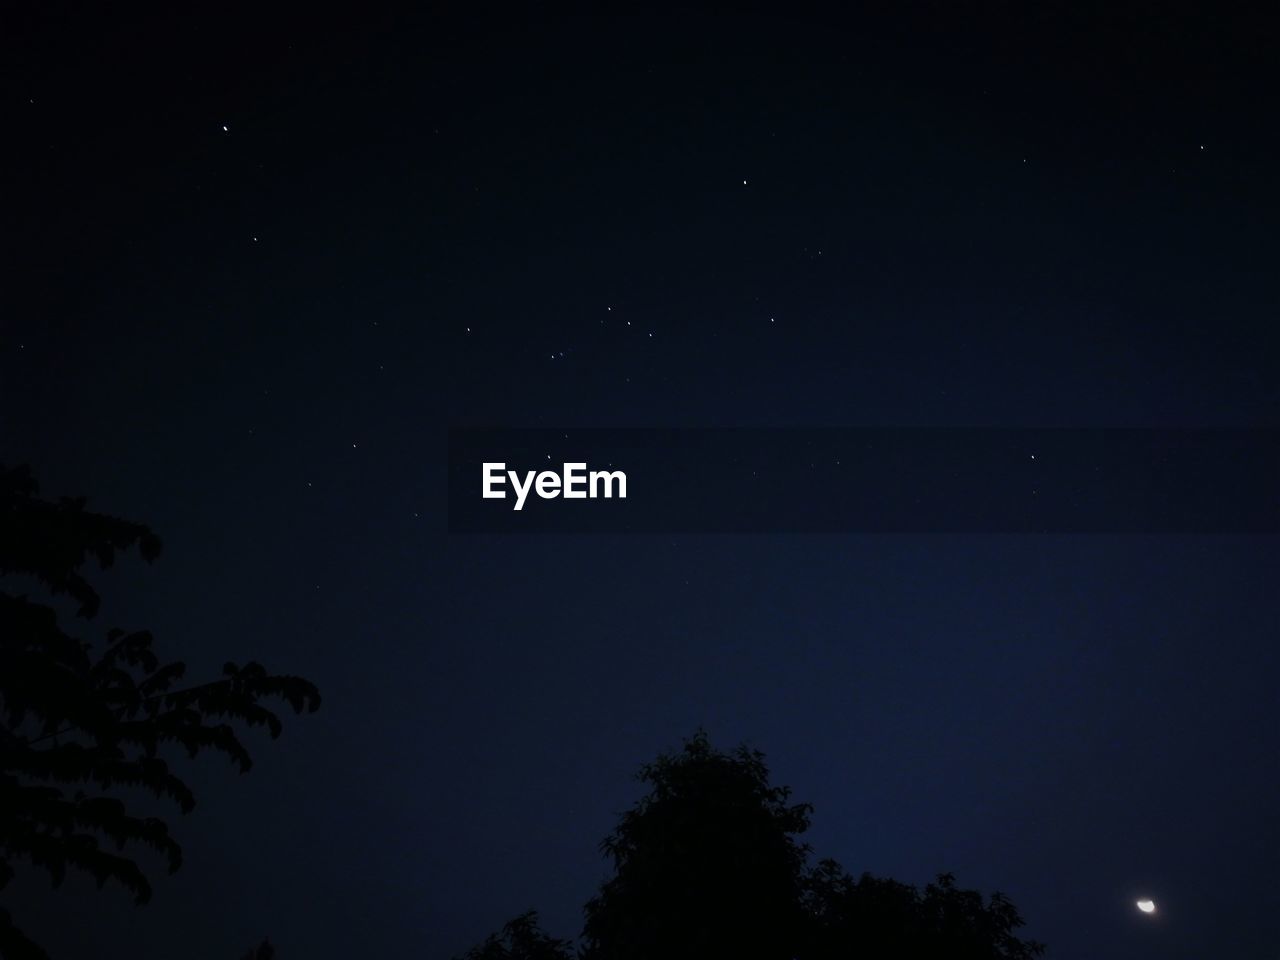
{"x":709,"y":864}
{"x":521,"y":939}
{"x":706,"y":864}
{"x":263,"y":951}
{"x":74,"y":724}
{"x":872,"y":917}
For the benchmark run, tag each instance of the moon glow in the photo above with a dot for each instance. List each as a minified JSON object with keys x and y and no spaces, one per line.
{"x":1147,"y":906}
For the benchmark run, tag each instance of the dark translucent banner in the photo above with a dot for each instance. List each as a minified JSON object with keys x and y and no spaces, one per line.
{"x":882,"y":480}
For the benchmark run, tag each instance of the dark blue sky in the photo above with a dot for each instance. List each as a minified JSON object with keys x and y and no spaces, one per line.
{"x":255,"y":339}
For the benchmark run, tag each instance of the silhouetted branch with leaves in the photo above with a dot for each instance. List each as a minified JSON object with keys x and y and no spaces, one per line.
{"x":75,"y":724}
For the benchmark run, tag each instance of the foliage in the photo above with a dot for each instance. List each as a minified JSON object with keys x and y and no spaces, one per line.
{"x":706,"y":864}
{"x":76,"y":724}
{"x":521,"y":939}
{"x":881,"y":918}
{"x":709,"y":864}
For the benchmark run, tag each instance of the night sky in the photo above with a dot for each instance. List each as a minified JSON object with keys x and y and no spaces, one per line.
{"x":255,"y":266}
